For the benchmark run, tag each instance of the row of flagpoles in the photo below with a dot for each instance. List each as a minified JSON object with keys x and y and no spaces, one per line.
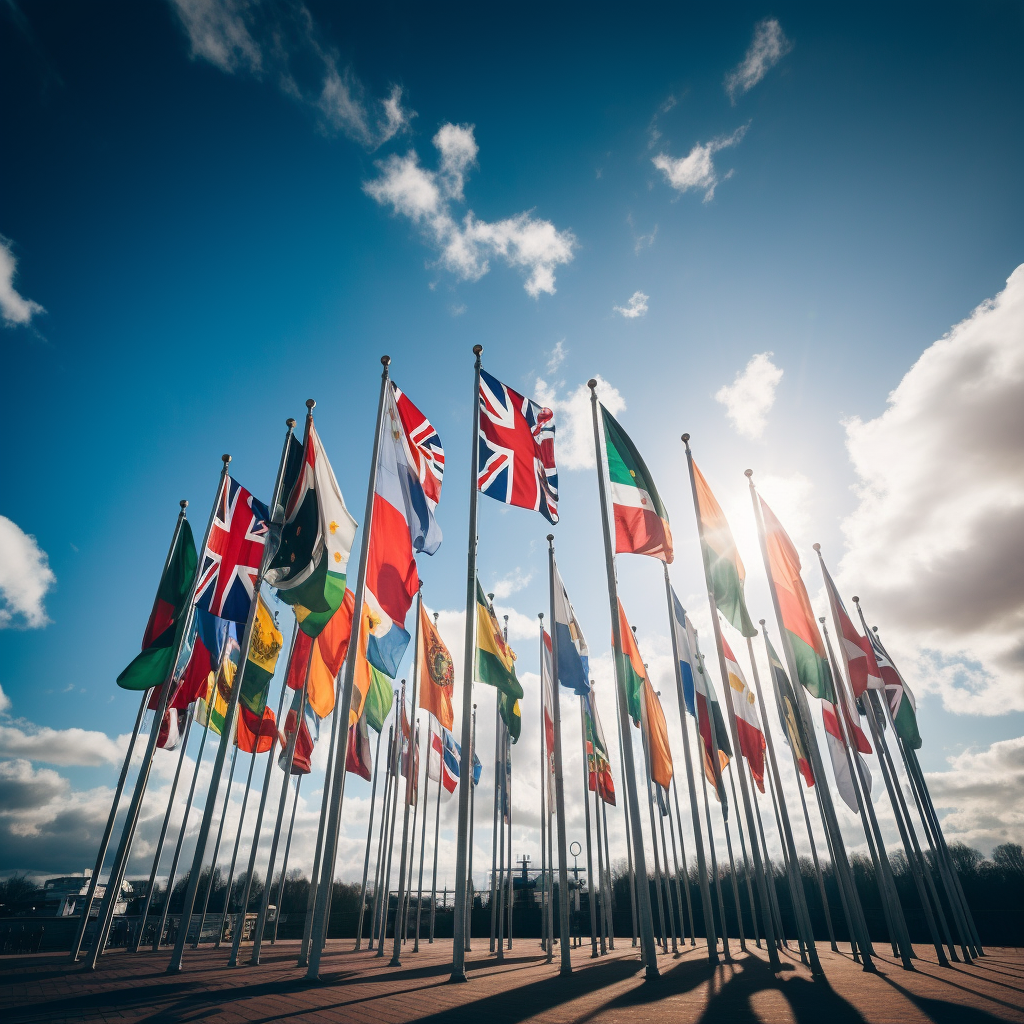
{"x":212,"y":646}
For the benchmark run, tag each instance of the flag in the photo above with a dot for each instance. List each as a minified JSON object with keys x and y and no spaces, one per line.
{"x":682,"y":638}
{"x":172,"y":728}
{"x":437,"y":672}
{"x":234,"y":551}
{"x":357,"y":757}
{"x":511,"y":715}
{"x":708,"y":711}
{"x":166,"y":620}
{"x":632,"y":665}
{"x":305,"y":741}
{"x":379,"y":696}
{"x":516,"y":463}
{"x":403,"y":523}
{"x":548,"y":697}
{"x":901,"y":700}
{"x":837,"y":753}
{"x":573,"y":653}
{"x":255,"y":732}
{"x":789,"y":715}
{"x":368,"y":679}
{"x":316,"y":661}
{"x":420,"y":459}
{"x":657,"y":738}
{"x":599,"y":769}
{"x":265,"y":643}
{"x":857,"y":654}
{"x":495,"y":661}
{"x":310,"y":566}
{"x":200,"y":656}
{"x":797,"y":615}
{"x":723,"y":562}
{"x":450,"y":768}
{"x":641,"y":521}
{"x":211,"y":706}
{"x":436,"y":756}
{"x":748,"y":724}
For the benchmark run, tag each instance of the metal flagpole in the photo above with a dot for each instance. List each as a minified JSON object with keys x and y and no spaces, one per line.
{"x":462,"y":835}
{"x":592,"y":893}
{"x":470,"y":889}
{"x":423,"y":833}
{"x":502,"y":843}
{"x":396,"y":760}
{"x":609,"y":903}
{"x":284,"y":862}
{"x":101,"y":853}
{"x":181,"y":837}
{"x":843,"y":873}
{"x":216,"y":845}
{"x":551,"y":890}
{"x":702,"y":869}
{"x":746,"y":863}
{"x":499,"y":772}
{"x":803,"y":919}
{"x":384,"y":821}
{"x":163,"y":834}
{"x":236,"y":688}
{"x":883,"y":876}
{"x":645,"y":744}
{"x":785,"y":863}
{"x":369,"y":838}
{"x":437,"y":836}
{"x":629,"y":832}
{"x":241,"y":816}
{"x":769,"y":871}
{"x":714,"y":870}
{"x":670,"y":908}
{"x":410,"y":792}
{"x":647,"y":944}
{"x":543,"y":802}
{"x":598,"y":890}
{"x":318,"y":935}
{"x":407,"y":904}
{"x":511,"y":861}
{"x":733,"y":878}
{"x":132,"y":817}
{"x":682,"y":877}
{"x":565,"y":966}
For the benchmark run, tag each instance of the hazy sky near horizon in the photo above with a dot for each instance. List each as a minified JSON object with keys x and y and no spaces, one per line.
{"x":794,"y":232}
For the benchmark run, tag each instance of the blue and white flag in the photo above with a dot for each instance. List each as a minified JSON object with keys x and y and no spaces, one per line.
{"x":682,"y":628}
{"x":573,"y":653}
{"x":452,"y":760}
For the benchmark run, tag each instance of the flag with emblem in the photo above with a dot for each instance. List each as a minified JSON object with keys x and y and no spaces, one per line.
{"x":437,"y":673}
{"x":310,"y":567}
{"x":495,"y":662}
{"x":516,"y":459}
{"x":451,"y":764}
{"x":573,"y":653}
{"x":599,"y":769}
{"x":748,"y":724}
{"x":788,"y":715}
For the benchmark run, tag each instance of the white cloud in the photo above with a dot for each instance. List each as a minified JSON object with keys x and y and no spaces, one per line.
{"x":750,"y":397}
{"x":280,"y":41}
{"x":16,"y":310}
{"x":511,"y":583}
{"x":556,"y":356}
{"x":766,"y":49}
{"x":936,"y":543}
{"x":5,"y":702}
{"x":636,"y":306}
{"x":25,"y":578}
{"x":425,"y":197}
{"x":696,"y":170}
{"x":574,"y":430}
{"x":81,"y":747}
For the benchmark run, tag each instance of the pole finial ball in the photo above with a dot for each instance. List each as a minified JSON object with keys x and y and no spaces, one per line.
{"x":821,"y":619}
{"x":540,"y":615}
{"x":592,"y":383}
{"x":856,"y":599}
{"x":310,"y":402}
{"x":748,"y":473}
{"x":290,"y":423}
{"x":551,"y":538}
{"x":385,"y":360}
{"x":760,"y":622}
{"x":183,"y":503}
{"x":685,"y":438}
{"x":817,"y":547}
{"x":225,"y":459}
{"x":477,"y":349}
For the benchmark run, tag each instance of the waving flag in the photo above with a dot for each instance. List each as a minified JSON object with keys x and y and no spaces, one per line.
{"x":641,"y":521}
{"x":231,"y":561}
{"x":496,"y":663}
{"x":437,"y":673}
{"x":857,"y":652}
{"x":788,"y":715}
{"x":305,"y":742}
{"x":573,"y":653}
{"x":682,"y":638}
{"x":901,"y":700}
{"x":599,"y":769}
{"x":548,"y":697}
{"x":708,"y":711}
{"x":436,"y":755}
{"x":748,"y":725}
{"x":657,"y":738}
{"x":837,"y":753}
{"x":358,"y":758}
{"x":450,"y":766}
{"x":633,"y":669}
{"x":171,"y":729}
{"x":424,"y":457}
{"x":517,"y":449}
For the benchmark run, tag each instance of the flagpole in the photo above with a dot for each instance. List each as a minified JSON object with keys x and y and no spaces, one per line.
{"x":705,"y":893}
{"x":773,"y":896}
{"x":132,"y":817}
{"x":645,"y":745}
{"x":423,"y":833}
{"x":284,"y":862}
{"x":602,"y":915}
{"x":734,"y":878}
{"x":543,"y":799}
{"x":396,"y":767}
{"x":181,"y":833}
{"x":499,"y":773}
{"x":592,"y":893}
{"x":470,"y":890}
{"x":629,"y":831}
{"x":369,"y":838}
{"x":407,"y":903}
{"x":675,"y":910}
{"x":551,"y":890}
{"x":609,"y":887}
{"x":670,"y":915}
{"x":803,"y":919}
{"x":437,"y":835}
{"x":216,"y":845}
{"x":746,"y":862}
{"x":844,"y":874}
{"x":241,"y":816}
{"x":714,"y":864}
{"x":647,"y":944}
{"x":511,"y":861}
{"x":685,"y":877}
{"x":101,"y":853}
{"x":385,"y":819}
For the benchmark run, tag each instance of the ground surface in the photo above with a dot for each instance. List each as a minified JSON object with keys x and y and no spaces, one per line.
{"x":360,"y":987}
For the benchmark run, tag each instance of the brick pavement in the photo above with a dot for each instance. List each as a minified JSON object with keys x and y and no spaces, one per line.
{"x":358,"y":987}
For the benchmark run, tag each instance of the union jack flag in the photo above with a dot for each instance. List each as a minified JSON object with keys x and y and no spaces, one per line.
{"x":423,"y":446}
{"x":517,"y":449}
{"x":231,"y":561}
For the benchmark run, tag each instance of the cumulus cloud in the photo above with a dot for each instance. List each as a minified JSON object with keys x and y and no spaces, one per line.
{"x":936,"y":543}
{"x":279,"y":40}
{"x":696,"y":170}
{"x":25,"y":578}
{"x":17,"y":311}
{"x":466,"y":247}
{"x":510,"y":583}
{"x":81,"y":747}
{"x":556,"y":356}
{"x":750,"y":397}
{"x":574,"y":430}
{"x":637,"y":306}
{"x":766,"y":49}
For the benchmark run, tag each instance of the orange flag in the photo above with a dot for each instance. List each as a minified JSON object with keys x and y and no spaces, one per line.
{"x":437,"y":673}
{"x":329,"y":650}
{"x":657,"y":734}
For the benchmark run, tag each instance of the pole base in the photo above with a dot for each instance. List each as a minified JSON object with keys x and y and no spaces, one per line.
{"x":173,"y":969}
{"x":395,"y":962}
{"x":457,"y":977}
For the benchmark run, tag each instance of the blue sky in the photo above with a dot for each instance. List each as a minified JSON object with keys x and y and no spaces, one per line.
{"x":209,"y":227}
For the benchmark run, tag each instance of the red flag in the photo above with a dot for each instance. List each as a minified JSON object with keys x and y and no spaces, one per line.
{"x":357,"y":757}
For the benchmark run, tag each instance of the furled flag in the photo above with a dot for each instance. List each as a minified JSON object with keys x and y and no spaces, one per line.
{"x":901,"y":700}
{"x":357,"y":756}
{"x":437,"y":672}
{"x":318,"y":660}
{"x":436,"y":754}
{"x":167,"y":619}
{"x":686,"y":658}
{"x":234,"y":551}
{"x":305,"y":741}
{"x":516,"y":463}
{"x":795,"y":606}
{"x":724,"y":565}
{"x":657,"y":737}
{"x":599,"y":769}
{"x":641,"y":521}
{"x":837,"y":752}
{"x":788,"y":714}
{"x":379,"y":695}
{"x":310,"y":566}
{"x":171,"y":728}
{"x":548,"y":697}
{"x":573,"y":653}
{"x":403,"y":523}
{"x":212,"y":705}
{"x":857,"y":653}
{"x":633,"y":671}
{"x":748,"y":724}
{"x":265,"y":643}
{"x":260,"y":736}
{"x":496,"y":663}
{"x":708,"y":711}
{"x":450,"y":768}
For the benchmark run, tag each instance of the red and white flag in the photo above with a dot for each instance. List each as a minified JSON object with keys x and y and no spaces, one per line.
{"x":748,"y":725}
